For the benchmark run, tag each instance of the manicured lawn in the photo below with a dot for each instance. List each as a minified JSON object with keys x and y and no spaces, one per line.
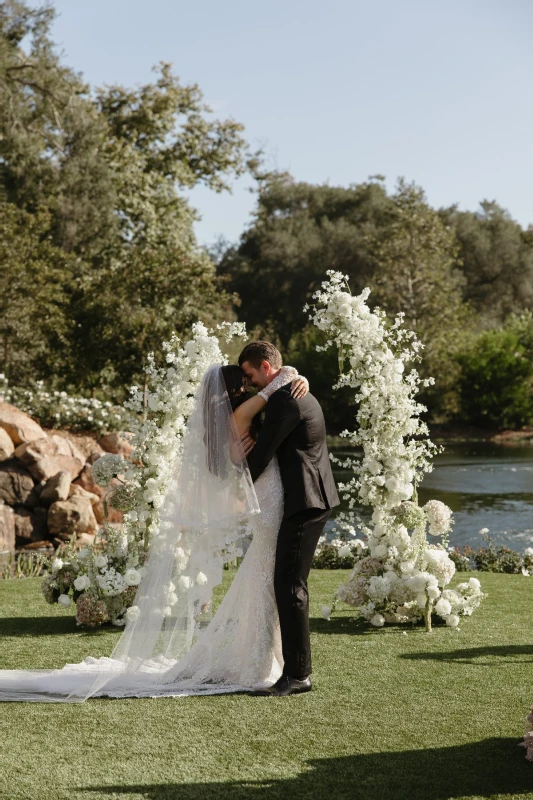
{"x":409,"y":716}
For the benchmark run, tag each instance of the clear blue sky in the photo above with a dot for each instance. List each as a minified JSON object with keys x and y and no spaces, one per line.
{"x":438,"y":91}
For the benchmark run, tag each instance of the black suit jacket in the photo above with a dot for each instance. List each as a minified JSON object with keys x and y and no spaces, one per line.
{"x":295,"y":431}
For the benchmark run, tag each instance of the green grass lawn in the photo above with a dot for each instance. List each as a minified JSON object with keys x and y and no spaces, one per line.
{"x":412,"y":716}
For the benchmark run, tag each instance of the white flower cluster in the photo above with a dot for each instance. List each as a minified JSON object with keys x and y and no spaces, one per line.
{"x":158,"y":435}
{"x":107,"y":467}
{"x":61,"y":410}
{"x":106,"y":573}
{"x":111,"y":570}
{"x":400,"y":578}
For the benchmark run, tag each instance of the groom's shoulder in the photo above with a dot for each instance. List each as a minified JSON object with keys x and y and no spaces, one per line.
{"x":283,"y":397}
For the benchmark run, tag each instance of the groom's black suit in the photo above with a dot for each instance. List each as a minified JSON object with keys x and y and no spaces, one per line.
{"x":295,"y":431}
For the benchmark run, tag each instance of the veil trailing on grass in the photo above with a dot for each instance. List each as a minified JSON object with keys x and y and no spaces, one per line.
{"x":206,"y":510}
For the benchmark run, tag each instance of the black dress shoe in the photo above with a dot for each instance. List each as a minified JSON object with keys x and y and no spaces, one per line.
{"x":285,"y":686}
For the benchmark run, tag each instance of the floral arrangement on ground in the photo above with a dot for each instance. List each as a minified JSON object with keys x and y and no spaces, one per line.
{"x":398,"y":576}
{"x":101,"y":580}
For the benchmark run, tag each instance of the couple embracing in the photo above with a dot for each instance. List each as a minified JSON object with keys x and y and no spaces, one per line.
{"x":251,"y":464}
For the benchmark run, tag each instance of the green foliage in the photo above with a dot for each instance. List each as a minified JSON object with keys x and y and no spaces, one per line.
{"x":299,"y":231}
{"x":103,"y":175}
{"x":496,"y":258}
{"x":55,"y":409}
{"x":415,"y":272}
{"x":321,"y":369}
{"x":35,"y":286}
{"x":327,"y":557}
{"x":496,"y":380}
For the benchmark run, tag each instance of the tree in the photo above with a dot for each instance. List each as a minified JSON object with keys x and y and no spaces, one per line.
{"x":415,"y":272}
{"x":35,"y":277}
{"x":299,"y":231}
{"x":496,"y":381}
{"x":109,"y":169}
{"x":497,"y":260}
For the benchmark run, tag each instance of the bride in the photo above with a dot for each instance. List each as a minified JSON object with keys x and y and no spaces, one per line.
{"x":170,"y":646}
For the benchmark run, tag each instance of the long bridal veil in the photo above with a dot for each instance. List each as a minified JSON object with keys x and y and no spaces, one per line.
{"x":207,"y":508}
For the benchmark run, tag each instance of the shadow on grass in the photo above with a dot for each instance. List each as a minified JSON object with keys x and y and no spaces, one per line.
{"x":46,"y":626}
{"x":504,"y":654}
{"x":355,"y":627}
{"x":480,"y":769}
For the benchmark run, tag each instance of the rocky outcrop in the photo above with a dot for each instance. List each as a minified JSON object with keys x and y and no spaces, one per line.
{"x":47,"y":456}
{"x":47,"y":493}
{"x":7,"y":447}
{"x":19,"y":426}
{"x":74,"y":515}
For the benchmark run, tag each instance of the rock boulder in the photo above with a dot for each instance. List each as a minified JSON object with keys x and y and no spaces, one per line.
{"x":49,"y":455}
{"x":7,"y":534}
{"x":56,"y":488}
{"x":118,"y":443}
{"x":19,"y":426}
{"x":16,"y":484}
{"x":30,"y":526}
{"x":6,"y":445}
{"x":74,"y":515}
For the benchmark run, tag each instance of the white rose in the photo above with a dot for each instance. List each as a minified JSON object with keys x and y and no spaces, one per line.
{"x":100,"y":561}
{"x":132,"y":577}
{"x":57,"y":563}
{"x":83,"y":554}
{"x":452,"y":620}
{"x":82,"y":582}
{"x":378,"y":621}
{"x":433,"y":592}
{"x":326,"y":612}
{"x":443,"y":607}
{"x":63,"y":600}
{"x":201,"y":579}
{"x":133,"y":613}
{"x":344,"y":551}
{"x":528,"y":551}
{"x":153,"y":402}
{"x":474,"y":584}
{"x":380,"y":551}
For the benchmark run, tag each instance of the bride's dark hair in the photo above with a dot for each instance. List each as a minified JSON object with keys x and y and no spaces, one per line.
{"x":234,"y":380}
{"x":238,"y":393}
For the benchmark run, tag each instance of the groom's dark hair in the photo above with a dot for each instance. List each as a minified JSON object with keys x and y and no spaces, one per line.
{"x":257,"y":352}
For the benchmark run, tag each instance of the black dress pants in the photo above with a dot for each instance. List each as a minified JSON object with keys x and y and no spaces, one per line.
{"x":297,"y":540}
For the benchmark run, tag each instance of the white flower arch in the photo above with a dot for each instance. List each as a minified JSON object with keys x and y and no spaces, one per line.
{"x":398,"y":577}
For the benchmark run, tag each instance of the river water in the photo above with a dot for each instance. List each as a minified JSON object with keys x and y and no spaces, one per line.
{"x":487,"y":486}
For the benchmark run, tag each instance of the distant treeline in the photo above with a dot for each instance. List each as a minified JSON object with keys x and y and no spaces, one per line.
{"x":99,"y":263}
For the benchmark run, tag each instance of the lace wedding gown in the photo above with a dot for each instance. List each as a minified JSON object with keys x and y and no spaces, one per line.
{"x":239,"y":650}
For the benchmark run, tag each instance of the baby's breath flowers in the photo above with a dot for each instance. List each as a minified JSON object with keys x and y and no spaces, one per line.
{"x":399,"y":577}
{"x":104,"y":578}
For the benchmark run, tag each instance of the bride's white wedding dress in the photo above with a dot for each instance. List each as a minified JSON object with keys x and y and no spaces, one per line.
{"x":239,"y":650}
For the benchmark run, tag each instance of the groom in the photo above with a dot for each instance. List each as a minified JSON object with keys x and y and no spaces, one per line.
{"x":295,"y":431}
